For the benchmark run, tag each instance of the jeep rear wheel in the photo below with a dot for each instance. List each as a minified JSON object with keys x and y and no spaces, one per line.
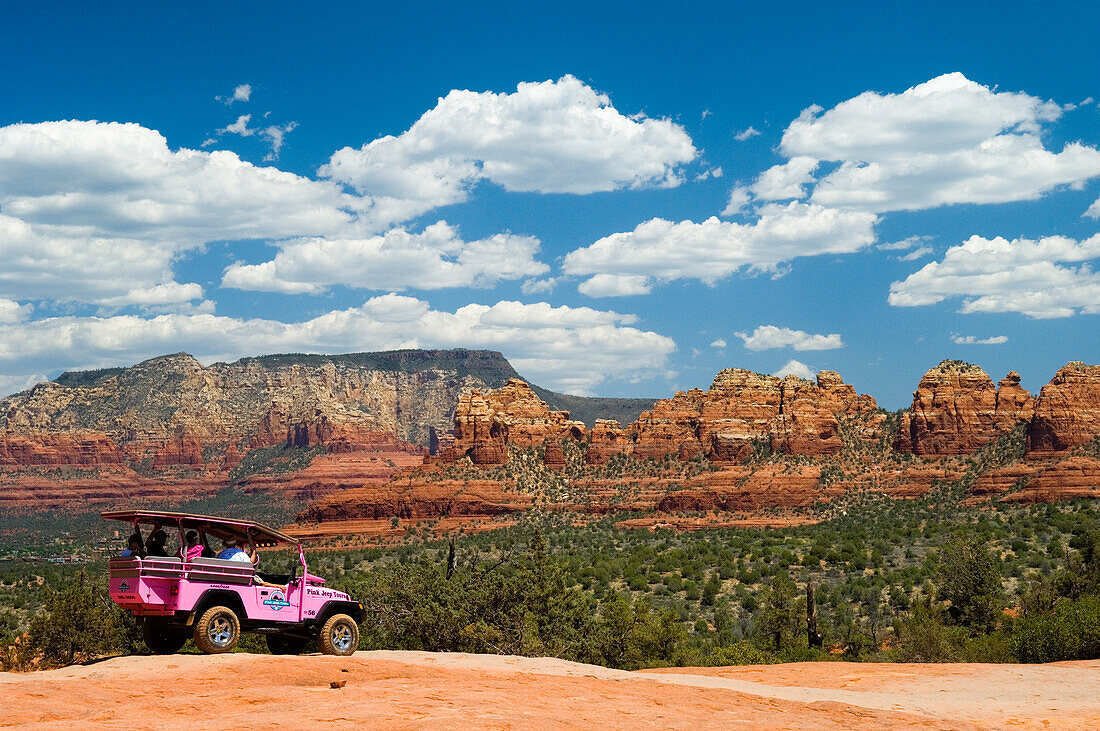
{"x":217,"y":630}
{"x":339,"y":635}
{"x":285,"y":645}
{"x":162,"y":638}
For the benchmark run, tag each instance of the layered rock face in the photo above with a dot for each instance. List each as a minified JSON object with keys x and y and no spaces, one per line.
{"x":161,"y":398}
{"x":484,"y":424}
{"x":722,"y":423}
{"x":169,"y":424}
{"x":1068,"y":410}
{"x":742,"y":408}
{"x":607,"y":438}
{"x":957,"y":409}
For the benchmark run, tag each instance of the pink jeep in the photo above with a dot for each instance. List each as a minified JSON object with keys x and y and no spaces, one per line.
{"x":213,"y":600}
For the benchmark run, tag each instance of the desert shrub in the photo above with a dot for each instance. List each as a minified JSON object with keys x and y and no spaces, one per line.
{"x":923,"y":637}
{"x":1070,"y":632}
{"x":969,"y":578}
{"x":78,"y":623}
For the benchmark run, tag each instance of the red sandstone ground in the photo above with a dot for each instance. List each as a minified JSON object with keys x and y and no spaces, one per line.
{"x":416,"y":690}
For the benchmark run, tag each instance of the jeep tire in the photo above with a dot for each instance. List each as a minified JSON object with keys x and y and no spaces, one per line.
{"x":162,"y":638}
{"x":217,"y":630}
{"x":339,"y":635}
{"x":285,"y":644}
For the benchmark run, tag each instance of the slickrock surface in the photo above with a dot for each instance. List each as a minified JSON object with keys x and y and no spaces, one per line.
{"x":956,"y":410}
{"x":416,"y":690}
{"x":1068,"y":410}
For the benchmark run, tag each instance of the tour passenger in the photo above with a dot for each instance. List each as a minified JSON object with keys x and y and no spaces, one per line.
{"x":134,"y":547}
{"x":232,"y":551}
{"x":156,"y":545}
{"x":259,"y":579}
{"x":192,"y":549}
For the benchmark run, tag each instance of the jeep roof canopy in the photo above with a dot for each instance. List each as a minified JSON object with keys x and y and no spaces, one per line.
{"x":243,"y":530}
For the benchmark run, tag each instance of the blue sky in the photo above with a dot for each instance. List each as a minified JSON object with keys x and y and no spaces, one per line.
{"x":606,"y":194}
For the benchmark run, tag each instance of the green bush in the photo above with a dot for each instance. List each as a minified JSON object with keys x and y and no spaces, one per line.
{"x":79,"y":623}
{"x":1070,"y":632}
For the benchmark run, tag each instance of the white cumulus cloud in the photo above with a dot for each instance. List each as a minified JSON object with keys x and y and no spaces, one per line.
{"x":947,"y":141}
{"x":973,"y":340}
{"x":796,"y":368}
{"x":660,"y":251}
{"x":719,"y":343}
{"x":397,"y":260}
{"x":765,"y":337}
{"x":549,"y":137}
{"x":241,"y":93}
{"x":998,"y":275}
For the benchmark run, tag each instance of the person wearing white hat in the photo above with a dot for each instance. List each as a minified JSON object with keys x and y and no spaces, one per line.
{"x":232,"y":551}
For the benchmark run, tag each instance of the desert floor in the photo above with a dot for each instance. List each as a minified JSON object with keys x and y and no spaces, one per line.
{"x":413,"y":690}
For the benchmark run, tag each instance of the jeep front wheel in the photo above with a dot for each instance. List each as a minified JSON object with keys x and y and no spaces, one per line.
{"x":217,"y":630}
{"x":339,"y":635}
{"x":162,"y":638}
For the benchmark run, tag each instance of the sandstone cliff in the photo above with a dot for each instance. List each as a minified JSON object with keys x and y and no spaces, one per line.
{"x":956,"y":409}
{"x":1068,"y":410}
{"x":743,"y":410}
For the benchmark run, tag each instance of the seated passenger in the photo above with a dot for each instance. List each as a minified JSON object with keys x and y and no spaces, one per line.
{"x":259,"y":579}
{"x":192,"y":549}
{"x":155,"y":547}
{"x":233,"y":552}
{"x":134,"y":547}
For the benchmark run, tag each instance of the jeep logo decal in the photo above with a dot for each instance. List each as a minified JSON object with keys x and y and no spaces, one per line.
{"x":277,"y":601}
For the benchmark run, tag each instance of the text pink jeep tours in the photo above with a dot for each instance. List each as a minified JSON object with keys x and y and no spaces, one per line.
{"x":213,"y":600}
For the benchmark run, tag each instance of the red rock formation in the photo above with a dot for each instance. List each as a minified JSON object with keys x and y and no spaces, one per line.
{"x":1067,"y":413}
{"x":553,"y":456}
{"x":742,"y":408}
{"x":184,"y":449}
{"x":478,"y":434}
{"x":669,"y":426}
{"x":512,"y":414}
{"x":606,"y":439}
{"x":57,"y":449}
{"x":956,"y":410}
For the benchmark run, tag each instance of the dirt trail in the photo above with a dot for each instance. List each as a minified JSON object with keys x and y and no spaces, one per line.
{"x":413,"y":690}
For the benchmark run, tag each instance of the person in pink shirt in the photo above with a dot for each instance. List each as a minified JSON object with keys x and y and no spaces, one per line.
{"x":193,"y":549}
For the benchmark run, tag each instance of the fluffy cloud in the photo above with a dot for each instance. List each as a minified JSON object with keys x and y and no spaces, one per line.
{"x":946,"y":141}
{"x":766,"y":337}
{"x":660,"y":250}
{"x":997,"y":275}
{"x":719,"y":343}
{"x":13,"y":312}
{"x":544,"y":343}
{"x":396,"y":260}
{"x":110,"y":272}
{"x":241,"y":93}
{"x":97,"y":212}
{"x":738,"y":202}
{"x":972,"y":340}
{"x":111,"y":180}
{"x":786,"y":181}
{"x":746,"y":134}
{"x":273,"y":134}
{"x":796,"y":368}
{"x":550,"y":137}
{"x":539,"y":286}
